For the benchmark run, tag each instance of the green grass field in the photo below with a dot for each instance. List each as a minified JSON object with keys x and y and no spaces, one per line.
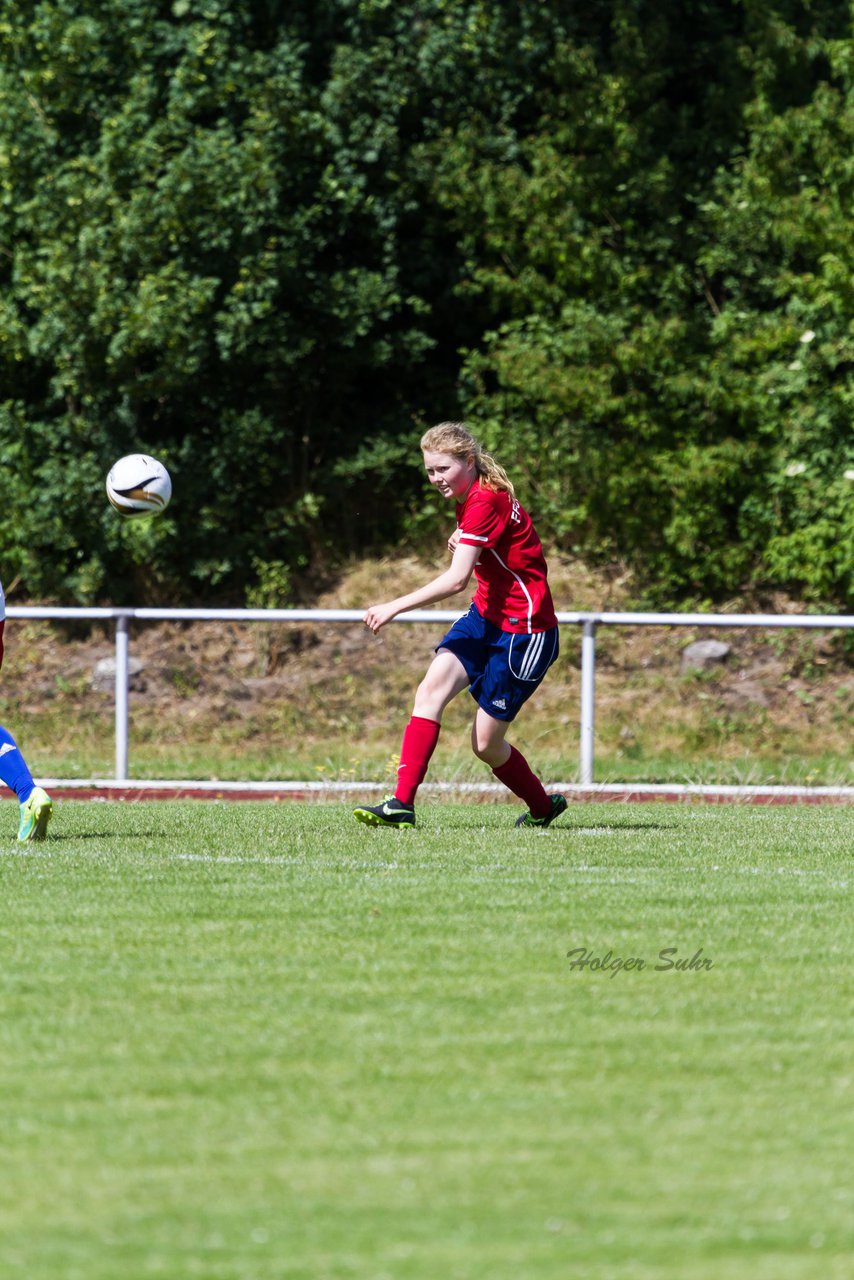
{"x":256,"y":1042}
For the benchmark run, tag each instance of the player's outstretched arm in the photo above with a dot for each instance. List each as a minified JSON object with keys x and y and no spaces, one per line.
{"x":450,"y":583}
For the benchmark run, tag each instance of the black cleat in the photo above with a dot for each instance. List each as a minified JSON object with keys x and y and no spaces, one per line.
{"x":528,"y":819}
{"x":391,"y":813}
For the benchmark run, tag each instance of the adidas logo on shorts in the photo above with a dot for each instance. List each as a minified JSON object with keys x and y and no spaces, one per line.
{"x":500,"y":703}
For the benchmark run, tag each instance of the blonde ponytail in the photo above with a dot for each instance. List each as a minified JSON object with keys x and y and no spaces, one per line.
{"x":454,"y":438}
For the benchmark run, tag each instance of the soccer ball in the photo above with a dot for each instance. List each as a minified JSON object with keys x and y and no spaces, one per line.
{"x":139,"y":486}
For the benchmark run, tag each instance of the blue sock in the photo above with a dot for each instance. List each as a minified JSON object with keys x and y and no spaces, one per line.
{"x":13,"y":767}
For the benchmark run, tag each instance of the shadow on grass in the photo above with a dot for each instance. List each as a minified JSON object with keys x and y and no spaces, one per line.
{"x":617,"y":826}
{"x":565,"y":828}
{"x":72,"y":837}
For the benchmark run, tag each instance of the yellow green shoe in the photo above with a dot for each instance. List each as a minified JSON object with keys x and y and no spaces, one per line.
{"x":35,"y":815}
{"x":391,"y":813}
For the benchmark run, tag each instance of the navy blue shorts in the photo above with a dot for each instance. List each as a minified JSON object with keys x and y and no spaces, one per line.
{"x":504,"y":667}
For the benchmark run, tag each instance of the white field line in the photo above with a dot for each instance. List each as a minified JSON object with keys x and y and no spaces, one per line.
{"x":594,"y":872}
{"x":603,"y":789}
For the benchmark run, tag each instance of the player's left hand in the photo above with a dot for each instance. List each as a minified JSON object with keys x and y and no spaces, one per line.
{"x":454,"y":540}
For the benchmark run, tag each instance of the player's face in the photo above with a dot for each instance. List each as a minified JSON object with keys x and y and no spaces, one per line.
{"x":453,"y":477}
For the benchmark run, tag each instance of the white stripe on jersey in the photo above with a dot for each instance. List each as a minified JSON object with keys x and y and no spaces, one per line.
{"x":521,"y":584}
{"x":474,"y":537}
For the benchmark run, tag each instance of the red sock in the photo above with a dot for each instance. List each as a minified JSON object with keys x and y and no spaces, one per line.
{"x":419,"y":742}
{"x":516,"y":774}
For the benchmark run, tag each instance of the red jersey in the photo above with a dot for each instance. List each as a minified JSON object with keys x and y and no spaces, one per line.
{"x":512,"y":577}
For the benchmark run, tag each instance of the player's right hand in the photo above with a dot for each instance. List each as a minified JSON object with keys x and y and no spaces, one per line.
{"x":378,"y":615}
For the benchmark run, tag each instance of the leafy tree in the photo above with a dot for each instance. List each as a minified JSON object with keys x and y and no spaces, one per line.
{"x":195,"y":267}
{"x":655,"y":373}
{"x":264,"y":240}
{"x":780,"y":252}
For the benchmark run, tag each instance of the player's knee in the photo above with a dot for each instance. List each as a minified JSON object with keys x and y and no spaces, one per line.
{"x":431,"y":698}
{"x":425,"y":694}
{"x":485,"y":748}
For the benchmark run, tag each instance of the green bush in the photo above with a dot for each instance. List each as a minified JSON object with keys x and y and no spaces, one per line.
{"x":268,"y":243}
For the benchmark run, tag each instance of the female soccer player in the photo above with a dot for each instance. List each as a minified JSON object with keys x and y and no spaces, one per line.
{"x":500,"y":650}
{"x":35,"y":804}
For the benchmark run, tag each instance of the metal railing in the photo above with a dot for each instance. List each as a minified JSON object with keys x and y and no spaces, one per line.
{"x":588,"y":622}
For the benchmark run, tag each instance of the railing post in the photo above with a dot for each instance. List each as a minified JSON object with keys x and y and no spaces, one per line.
{"x":588,"y":698}
{"x":122,"y":680}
